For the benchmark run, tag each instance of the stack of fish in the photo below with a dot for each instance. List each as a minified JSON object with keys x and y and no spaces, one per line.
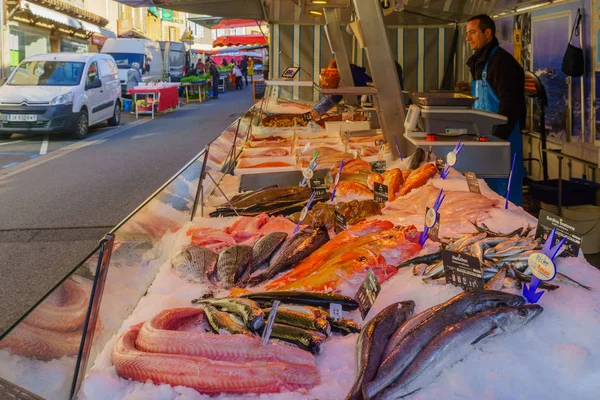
{"x":397,"y":356}
{"x":272,"y":200}
{"x":302,"y":319}
{"x":236,"y":265}
{"x":503,"y":259}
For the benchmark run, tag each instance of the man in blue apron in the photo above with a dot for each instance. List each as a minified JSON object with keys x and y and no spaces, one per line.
{"x":498,"y":83}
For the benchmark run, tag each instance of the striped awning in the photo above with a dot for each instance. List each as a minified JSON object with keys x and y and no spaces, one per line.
{"x":58,"y":18}
{"x":242,"y":40}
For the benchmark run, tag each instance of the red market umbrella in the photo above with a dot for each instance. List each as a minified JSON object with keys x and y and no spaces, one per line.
{"x":242,"y":40}
{"x":236,"y":23}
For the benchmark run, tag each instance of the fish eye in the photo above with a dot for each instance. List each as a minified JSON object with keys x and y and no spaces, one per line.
{"x":362,"y":259}
{"x":522,"y":312}
{"x":389,"y":237}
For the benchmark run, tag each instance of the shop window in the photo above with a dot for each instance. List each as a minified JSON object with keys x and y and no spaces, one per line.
{"x":24,"y":43}
{"x":73,"y":46}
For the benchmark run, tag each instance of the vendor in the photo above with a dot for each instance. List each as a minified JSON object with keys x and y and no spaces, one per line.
{"x":134,"y":77}
{"x":498,"y":82}
{"x":360,"y":79}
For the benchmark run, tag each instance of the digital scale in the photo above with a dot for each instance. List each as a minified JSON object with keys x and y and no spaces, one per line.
{"x":436,"y":121}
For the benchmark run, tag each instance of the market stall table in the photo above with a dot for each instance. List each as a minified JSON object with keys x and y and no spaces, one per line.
{"x":165,"y":97}
{"x":191,"y":88}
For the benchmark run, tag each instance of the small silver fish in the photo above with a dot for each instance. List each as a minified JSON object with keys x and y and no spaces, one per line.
{"x":477,"y":251}
{"x":511,"y":251}
{"x":419,"y":269}
{"x":566,"y":279}
{"x":435,"y":281}
{"x":512,"y":283}
{"x":497,"y":281}
{"x":508,"y":242}
{"x":469,"y":241}
{"x":434,"y":269}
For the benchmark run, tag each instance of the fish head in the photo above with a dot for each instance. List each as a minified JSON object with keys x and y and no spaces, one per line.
{"x":510,"y":319}
{"x":490,"y":299}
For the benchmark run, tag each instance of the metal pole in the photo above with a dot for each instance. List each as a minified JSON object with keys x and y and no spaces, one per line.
{"x":3,"y":42}
{"x":338,"y":48}
{"x":383,"y":72}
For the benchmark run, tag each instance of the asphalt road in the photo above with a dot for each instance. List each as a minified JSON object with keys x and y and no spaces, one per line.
{"x":56,"y":206}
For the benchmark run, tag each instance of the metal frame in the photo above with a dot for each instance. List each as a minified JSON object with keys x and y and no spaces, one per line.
{"x":336,"y":43}
{"x":200,"y":191}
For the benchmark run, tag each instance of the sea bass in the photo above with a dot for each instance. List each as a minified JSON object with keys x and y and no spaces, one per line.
{"x":194,"y":262}
{"x":294,"y":250}
{"x":262,"y":250}
{"x":232,"y":264}
{"x":455,"y":309}
{"x":454,"y":343}
{"x":371,"y":342}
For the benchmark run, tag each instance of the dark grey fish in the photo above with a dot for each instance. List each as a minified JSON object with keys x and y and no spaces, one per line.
{"x":455,"y":309}
{"x":232,"y":264}
{"x":249,"y":310}
{"x":427,"y":259}
{"x":301,"y":317}
{"x":262,"y":250}
{"x":223,"y":321}
{"x":294,"y":250}
{"x":454,"y":343}
{"x":305,"y":339}
{"x":372,"y":340}
{"x":194,"y":262}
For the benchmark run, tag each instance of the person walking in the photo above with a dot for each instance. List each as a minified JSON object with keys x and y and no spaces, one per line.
{"x":214,"y":74}
{"x":250,"y":69}
{"x":244,"y":68}
{"x":237,"y":72}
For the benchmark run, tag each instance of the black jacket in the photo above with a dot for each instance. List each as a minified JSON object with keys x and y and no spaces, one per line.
{"x":214,"y":72}
{"x":507,"y":80}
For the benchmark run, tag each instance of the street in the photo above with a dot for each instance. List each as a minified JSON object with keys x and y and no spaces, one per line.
{"x":59,"y":196}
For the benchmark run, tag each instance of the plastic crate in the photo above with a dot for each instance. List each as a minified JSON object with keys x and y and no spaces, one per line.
{"x":126,"y":105}
{"x":573,"y":193}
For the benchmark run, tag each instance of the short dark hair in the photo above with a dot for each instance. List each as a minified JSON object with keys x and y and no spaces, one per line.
{"x":485,"y":23}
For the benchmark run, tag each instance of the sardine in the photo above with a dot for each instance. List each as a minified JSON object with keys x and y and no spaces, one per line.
{"x":511,"y":251}
{"x":294,"y":250}
{"x":505,"y":244}
{"x":247,"y":309}
{"x":434,"y":270}
{"x":232,"y":264}
{"x":307,"y":340}
{"x":497,"y":281}
{"x":262,"y":250}
{"x":371,"y":342}
{"x":525,"y":278}
{"x":454,"y":342}
{"x":316,"y":299}
{"x":195,"y":262}
{"x":512,"y":283}
{"x":223,"y":321}
{"x":301,"y":317}
{"x":419,"y":269}
{"x":476,"y":250}
{"x":566,"y":279}
{"x":470,"y":240}
{"x":427,"y":259}
{"x":455,"y":309}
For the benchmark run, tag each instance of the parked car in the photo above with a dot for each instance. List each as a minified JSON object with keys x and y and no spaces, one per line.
{"x":145,"y":52}
{"x":174,"y":59}
{"x":60,"y":93}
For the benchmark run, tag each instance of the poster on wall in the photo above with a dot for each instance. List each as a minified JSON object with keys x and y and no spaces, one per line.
{"x":551,"y":33}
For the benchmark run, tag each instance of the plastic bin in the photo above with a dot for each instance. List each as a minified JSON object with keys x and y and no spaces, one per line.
{"x":126,"y":105}
{"x":587,"y":224}
{"x":573,"y":193}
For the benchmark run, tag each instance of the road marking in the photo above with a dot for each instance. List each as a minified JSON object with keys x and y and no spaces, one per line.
{"x":144,"y":135}
{"x":68,"y":149}
{"x":12,"y":164}
{"x":16,"y":141}
{"x":44,"y":148}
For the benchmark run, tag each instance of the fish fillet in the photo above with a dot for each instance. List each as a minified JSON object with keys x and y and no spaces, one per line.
{"x":160,"y":335}
{"x":208,"y":376}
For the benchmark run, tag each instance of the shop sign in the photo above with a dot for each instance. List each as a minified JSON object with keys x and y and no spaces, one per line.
{"x":340,"y":223}
{"x":564,"y":229}
{"x":318,"y":186}
{"x":367,"y":293}
{"x":166,"y":15}
{"x":472,"y":182}
{"x":542,"y":267}
{"x":380,"y":192}
{"x":462,"y":270}
{"x":98,"y":40}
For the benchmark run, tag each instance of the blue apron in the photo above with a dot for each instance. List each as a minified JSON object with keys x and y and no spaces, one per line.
{"x":488,"y":101}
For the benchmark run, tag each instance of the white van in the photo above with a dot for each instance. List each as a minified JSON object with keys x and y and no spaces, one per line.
{"x":60,"y":93}
{"x":174,"y":59}
{"x":142,"y":51}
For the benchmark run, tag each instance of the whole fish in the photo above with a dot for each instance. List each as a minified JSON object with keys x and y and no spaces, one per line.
{"x":491,"y":241}
{"x":433,"y":270}
{"x":566,"y":279}
{"x":223,"y":321}
{"x":305,"y":339}
{"x":194,"y":262}
{"x":455,"y":342}
{"x":526,"y":278}
{"x":455,"y":309}
{"x":511,"y":251}
{"x":427,"y":259}
{"x":301,"y":317}
{"x":341,"y":325}
{"x":418,"y":178}
{"x":467,"y":242}
{"x":497,"y":281}
{"x":476,"y":250}
{"x":294,"y":250}
{"x":316,"y":299}
{"x":371,"y":342}
{"x":247,"y":309}
{"x":511,"y":241}
{"x":262,"y":250}
{"x":232,"y":264}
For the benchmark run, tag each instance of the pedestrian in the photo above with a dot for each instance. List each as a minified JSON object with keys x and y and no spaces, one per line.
{"x":224,"y":62}
{"x":498,"y":84}
{"x":250,"y":69}
{"x":214,"y":74}
{"x":244,"y":68}
{"x":237,"y":72}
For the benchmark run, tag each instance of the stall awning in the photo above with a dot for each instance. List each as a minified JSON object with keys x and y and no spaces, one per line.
{"x":230,"y":9}
{"x":59,"y":18}
{"x":236,"y":23}
{"x":242,"y":40}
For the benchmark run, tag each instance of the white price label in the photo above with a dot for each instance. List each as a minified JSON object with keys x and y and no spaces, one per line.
{"x":336,"y":312}
{"x":451,"y":159}
{"x":303,"y":213}
{"x":542,"y":266}
{"x":308,"y":173}
{"x":430,"y":218}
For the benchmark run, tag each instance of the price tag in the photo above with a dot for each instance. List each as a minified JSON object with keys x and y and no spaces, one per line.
{"x":462,"y":270}
{"x":307,"y":173}
{"x":335,"y":311}
{"x":542,"y":266}
{"x":340,"y":223}
{"x":379,"y":166}
{"x":472,"y":182}
{"x":367,"y":293}
{"x":432,"y":221}
{"x":303,"y":214}
{"x":564,"y":229}
{"x":318,"y":187}
{"x":269,"y":326}
{"x":380,"y":192}
{"x":451,"y":159}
